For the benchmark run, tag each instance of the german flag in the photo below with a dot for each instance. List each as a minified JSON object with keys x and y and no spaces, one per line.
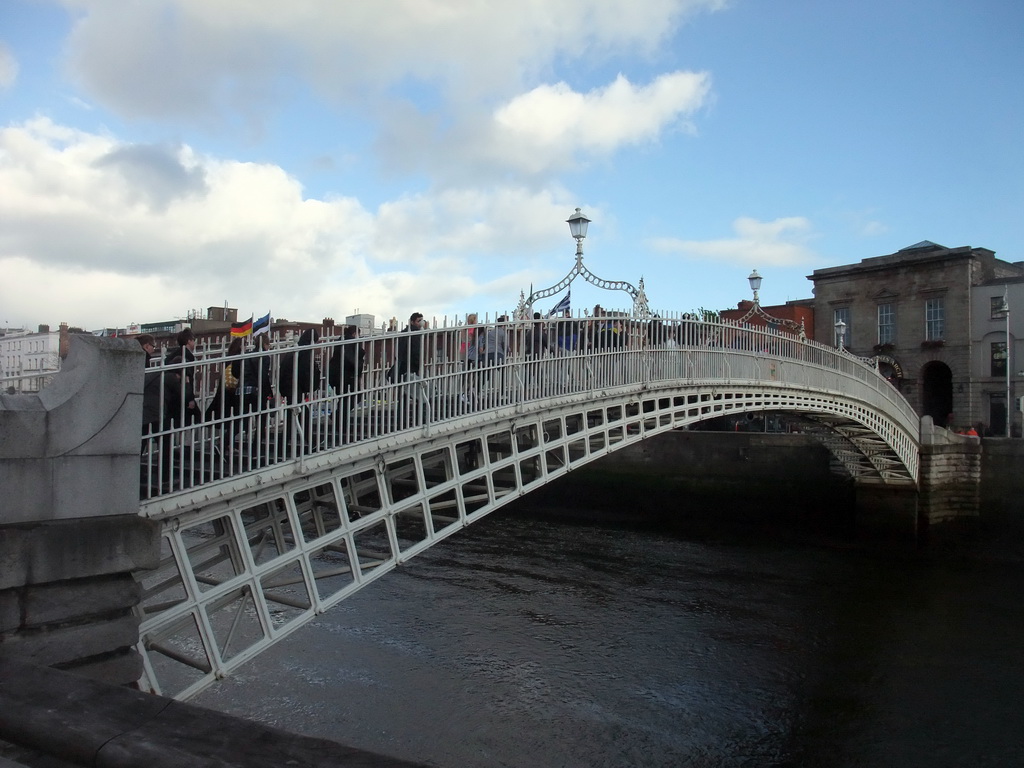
{"x":241,"y":329}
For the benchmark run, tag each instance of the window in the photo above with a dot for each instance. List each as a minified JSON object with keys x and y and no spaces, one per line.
{"x":934,"y":319}
{"x":842,"y":314}
{"x":996,"y":313}
{"x":998,"y":358}
{"x":886,"y":324}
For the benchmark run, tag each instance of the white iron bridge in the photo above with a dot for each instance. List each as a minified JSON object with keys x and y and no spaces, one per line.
{"x":291,"y":494}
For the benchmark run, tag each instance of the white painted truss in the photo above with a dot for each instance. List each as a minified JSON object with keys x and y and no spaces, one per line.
{"x":266,"y":525}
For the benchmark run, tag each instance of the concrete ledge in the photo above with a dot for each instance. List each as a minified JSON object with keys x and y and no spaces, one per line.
{"x":59,"y":550}
{"x":65,"y":602}
{"x":89,"y":723}
{"x":65,"y":645}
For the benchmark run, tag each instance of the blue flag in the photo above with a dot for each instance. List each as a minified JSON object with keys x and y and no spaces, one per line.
{"x":262,"y":325}
{"x":563,"y":305}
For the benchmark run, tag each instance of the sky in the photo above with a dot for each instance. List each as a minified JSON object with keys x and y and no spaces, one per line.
{"x":314,"y":158}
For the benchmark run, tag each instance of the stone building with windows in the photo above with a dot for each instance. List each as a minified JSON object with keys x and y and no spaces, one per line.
{"x":26,"y":357}
{"x":997,"y":367}
{"x":925,"y":312}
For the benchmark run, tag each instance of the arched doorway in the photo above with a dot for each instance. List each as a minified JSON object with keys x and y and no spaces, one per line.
{"x":890,"y":368}
{"x":937,"y":392}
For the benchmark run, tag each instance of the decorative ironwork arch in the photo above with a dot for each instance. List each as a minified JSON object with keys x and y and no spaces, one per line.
{"x":637,"y":293}
{"x":756,"y":311}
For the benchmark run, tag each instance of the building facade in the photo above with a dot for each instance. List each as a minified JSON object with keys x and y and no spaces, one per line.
{"x":926,"y":313}
{"x":791,"y":317}
{"x":26,"y":358}
{"x":997,"y":359}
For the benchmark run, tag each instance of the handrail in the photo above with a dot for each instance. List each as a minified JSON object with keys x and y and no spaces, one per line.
{"x":230,"y":434}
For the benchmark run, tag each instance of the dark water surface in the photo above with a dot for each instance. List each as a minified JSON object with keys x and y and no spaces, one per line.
{"x":531,"y":642}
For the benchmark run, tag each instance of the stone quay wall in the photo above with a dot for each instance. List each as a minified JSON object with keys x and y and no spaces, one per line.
{"x":70,"y":531}
{"x":950,"y":482}
{"x":697,"y":479}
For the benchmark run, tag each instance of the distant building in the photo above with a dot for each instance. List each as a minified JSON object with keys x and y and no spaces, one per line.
{"x":990,"y":361}
{"x":787,"y":317}
{"x":213,"y":331}
{"x":26,"y":357}
{"x":365,"y":324}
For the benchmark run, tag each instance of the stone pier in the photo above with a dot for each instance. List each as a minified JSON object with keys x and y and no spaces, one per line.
{"x":70,"y":531}
{"x":950,"y":484}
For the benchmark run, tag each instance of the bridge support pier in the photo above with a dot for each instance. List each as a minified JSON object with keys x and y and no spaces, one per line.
{"x":948,"y":491}
{"x":70,"y":532}
{"x":950,"y":476}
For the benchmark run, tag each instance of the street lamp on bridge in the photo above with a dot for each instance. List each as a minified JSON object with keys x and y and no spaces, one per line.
{"x":770,"y":321}
{"x":755,"y":284}
{"x":578,"y":229}
{"x":840,"y":334}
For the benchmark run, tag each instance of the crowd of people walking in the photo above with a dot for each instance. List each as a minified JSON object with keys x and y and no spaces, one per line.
{"x":256,"y":401}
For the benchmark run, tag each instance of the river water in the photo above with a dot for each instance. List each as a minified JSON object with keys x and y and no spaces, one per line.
{"x":529,"y":641}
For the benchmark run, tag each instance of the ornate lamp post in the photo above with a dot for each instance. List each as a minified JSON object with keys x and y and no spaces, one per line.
{"x":755,"y":284}
{"x":840,"y":334}
{"x":755,"y":311}
{"x":578,"y":227}
{"x":1004,"y":309}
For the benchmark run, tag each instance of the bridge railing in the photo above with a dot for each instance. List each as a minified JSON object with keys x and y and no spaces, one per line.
{"x":204,"y":425}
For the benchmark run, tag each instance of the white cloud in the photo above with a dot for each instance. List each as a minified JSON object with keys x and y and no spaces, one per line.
{"x":551,"y":124}
{"x":111,"y":232}
{"x":455,"y":89}
{"x":781,"y":242}
{"x":8,"y":66}
{"x":184,"y":57}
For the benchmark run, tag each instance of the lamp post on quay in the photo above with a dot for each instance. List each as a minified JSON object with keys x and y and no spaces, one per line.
{"x":1004,"y":309}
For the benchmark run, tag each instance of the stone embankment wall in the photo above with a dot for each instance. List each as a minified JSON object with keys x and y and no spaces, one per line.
{"x":70,"y":531}
{"x":950,"y":476}
{"x":698,"y":480}
{"x":704,"y":478}
{"x":58,"y":719}
{"x":1002,"y":478}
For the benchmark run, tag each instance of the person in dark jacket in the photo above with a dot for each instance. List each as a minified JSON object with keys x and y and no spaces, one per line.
{"x":347,"y":362}
{"x":300,"y":372}
{"x":299,"y":379}
{"x":185,"y":353}
{"x":408,"y":368}
{"x":256,"y":393}
{"x":536,"y":337}
{"x":226,"y":400}
{"x":257,"y":388}
{"x":344,"y":372}
{"x":148,"y":344}
{"x":409,"y":360}
{"x":161,"y":410}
